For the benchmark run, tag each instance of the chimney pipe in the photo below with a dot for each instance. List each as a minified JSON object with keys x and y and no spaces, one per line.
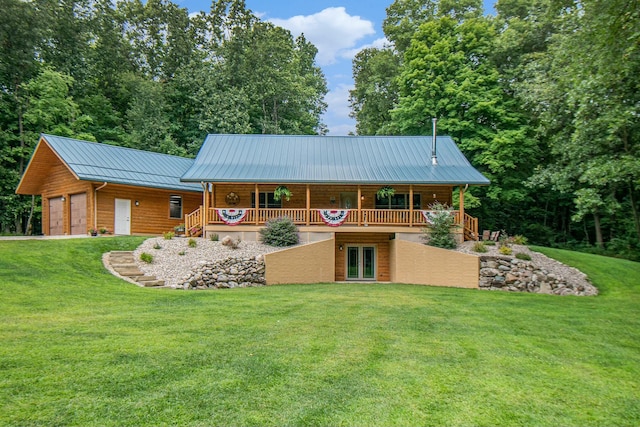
{"x":434,"y":157}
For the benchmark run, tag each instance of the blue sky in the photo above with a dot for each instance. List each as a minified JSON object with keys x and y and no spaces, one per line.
{"x":338,"y":28}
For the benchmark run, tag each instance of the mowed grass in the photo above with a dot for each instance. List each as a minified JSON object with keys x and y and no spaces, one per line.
{"x":80,"y":347}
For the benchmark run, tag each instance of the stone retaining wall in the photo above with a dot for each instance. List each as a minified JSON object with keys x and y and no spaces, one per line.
{"x":515,"y":275}
{"x":227,"y":273}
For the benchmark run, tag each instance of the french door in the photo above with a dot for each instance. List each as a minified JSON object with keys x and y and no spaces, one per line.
{"x":361,"y":262}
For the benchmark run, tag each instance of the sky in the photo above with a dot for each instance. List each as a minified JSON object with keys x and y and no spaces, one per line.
{"x":338,"y":28}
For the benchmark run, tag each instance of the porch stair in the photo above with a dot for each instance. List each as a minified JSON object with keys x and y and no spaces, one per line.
{"x":124,"y":264}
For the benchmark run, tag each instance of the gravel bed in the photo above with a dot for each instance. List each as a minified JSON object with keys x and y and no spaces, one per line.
{"x":172,"y":267}
{"x":570,"y":274}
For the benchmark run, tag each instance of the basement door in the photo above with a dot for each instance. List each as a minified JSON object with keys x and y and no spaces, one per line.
{"x":122,"y":217}
{"x":79,"y":213}
{"x":56,"y":225}
{"x":361,"y":262}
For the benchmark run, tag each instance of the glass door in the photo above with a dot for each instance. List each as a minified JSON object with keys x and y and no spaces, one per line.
{"x":361,"y":263}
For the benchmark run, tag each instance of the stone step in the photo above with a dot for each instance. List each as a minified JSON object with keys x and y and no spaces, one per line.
{"x":145,"y":278}
{"x":129,"y":273}
{"x":122,"y":253}
{"x":124,"y":265}
{"x":152,"y":283}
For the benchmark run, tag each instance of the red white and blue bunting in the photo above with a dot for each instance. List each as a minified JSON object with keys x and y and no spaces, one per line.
{"x":428,"y":216}
{"x":333,"y":218}
{"x":232,"y":216}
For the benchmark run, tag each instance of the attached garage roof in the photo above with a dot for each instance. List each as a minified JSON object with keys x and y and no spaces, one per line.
{"x":329,"y":159}
{"x":91,"y":161}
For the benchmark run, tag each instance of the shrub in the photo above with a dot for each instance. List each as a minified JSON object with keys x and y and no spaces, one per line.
{"x":214,"y":237}
{"x":438,"y":231}
{"x":168,"y":235}
{"x":157,"y":246}
{"x":279,"y":232}
{"x":490,"y":243}
{"x":505,"y":250}
{"x":181,"y":253}
{"x":192,"y":243}
{"x":230,"y":243}
{"x":479,"y":247}
{"x":523,"y":256}
{"x":145,"y":257}
{"x":519,"y":239}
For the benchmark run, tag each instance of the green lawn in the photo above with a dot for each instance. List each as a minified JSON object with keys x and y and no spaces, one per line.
{"x":80,"y":347}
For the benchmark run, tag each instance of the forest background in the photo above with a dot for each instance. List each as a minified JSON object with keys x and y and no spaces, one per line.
{"x":543,"y":97}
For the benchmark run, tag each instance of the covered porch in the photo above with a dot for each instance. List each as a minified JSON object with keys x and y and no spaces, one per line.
{"x":316,"y":205}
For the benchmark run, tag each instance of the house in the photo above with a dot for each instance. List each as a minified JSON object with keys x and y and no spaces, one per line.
{"x":86,"y":185}
{"x":360,"y":203}
{"x":334,"y":186}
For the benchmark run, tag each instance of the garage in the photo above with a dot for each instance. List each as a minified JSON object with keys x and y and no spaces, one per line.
{"x":78,"y":213}
{"x":56,"y":217}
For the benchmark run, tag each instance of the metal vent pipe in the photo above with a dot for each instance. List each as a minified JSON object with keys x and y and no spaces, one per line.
{"x":434,"y":157}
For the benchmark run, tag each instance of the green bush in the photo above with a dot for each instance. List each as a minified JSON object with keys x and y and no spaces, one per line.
{"x":279,"y":232}
{"x":519,"y":239}
{"x":438,"y":231}
{"x":145,"y":257}
{"x":181,"y":253}
{"x":192,"y":243}
{"x":505,"y":250}
{"x":214,"y":237}
{"x":168,"y":235}
{"x":479,"y":247}
{"x":523,"y":256}
{"x":490,"y":243}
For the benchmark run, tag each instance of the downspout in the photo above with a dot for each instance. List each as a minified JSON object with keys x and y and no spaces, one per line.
{"x":434,"y":157}
{"x":95,"y":205}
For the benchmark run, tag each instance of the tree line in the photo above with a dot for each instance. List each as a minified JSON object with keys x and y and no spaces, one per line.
{"x":543,"y":98}
{"x":145,"y":75}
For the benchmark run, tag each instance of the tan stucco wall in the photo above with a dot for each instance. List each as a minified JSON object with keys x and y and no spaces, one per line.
{"x":426,"y":265}
{"x":312,"y":263}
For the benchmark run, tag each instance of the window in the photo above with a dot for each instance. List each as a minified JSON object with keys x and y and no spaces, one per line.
{"x":175,"y":207}
{"x":266,"y":200}
{"x":398,"y":201}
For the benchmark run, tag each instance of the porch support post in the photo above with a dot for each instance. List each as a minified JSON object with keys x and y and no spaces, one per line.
{"x":257,"y":201}
{"x":359,"y":205}
{"x":461,"y":193}
{"x":410,"y":205}
{"x":308,"y":214}
{"x":205,"y":205}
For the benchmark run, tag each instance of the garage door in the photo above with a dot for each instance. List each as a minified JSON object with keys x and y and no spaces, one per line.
{"x":55,"y":217}
{"x":79,"y":213}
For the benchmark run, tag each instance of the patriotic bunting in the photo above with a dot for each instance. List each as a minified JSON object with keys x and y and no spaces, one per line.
{"x":232,"y":216}
{"x":333,"y":218}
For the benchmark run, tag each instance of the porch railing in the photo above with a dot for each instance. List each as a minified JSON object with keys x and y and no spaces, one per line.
{"x":363,"y":217}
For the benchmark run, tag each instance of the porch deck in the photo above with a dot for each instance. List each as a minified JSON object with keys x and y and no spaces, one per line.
{"x":195,"y":222}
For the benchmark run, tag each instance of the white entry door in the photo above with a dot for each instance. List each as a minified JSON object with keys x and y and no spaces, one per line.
{"x":122,"y":217}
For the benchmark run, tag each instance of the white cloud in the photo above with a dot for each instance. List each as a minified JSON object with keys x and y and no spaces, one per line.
{"x":332,"y":30}
{"x":337,"y":115}
{"x":377,"y":44}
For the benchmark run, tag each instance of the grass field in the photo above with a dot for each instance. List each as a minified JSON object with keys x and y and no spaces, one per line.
{"x":80,"y":347}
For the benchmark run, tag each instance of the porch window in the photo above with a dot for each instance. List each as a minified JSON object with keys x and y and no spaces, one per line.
{"x":266,"y":201}
{"x":175,"y":207}
{"x":398,"y":201}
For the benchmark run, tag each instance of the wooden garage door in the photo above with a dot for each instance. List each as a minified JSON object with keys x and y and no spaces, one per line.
{"x":55,"y":217}
{"x":79,"y":213}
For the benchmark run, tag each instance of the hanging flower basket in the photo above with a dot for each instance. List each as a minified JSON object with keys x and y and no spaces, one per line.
{"x":280,"y":192}
{"x":384,"y":192}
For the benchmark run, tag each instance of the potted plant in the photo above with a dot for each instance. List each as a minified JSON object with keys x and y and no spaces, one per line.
{"x":280,"y":192}
{"x":93,"y":232}
{"x":384,"y":192}
{"x":179,"y":229}
{"x":103,"y":230}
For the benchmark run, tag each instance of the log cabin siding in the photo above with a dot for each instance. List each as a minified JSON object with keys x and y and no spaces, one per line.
{"x":379,"y":240}
{"x":152,"y":214}
{"x":322,"y":195}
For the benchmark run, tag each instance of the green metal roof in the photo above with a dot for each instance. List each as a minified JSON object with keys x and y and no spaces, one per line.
{"x":91,"y":161}
{"x":331,"y":159}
